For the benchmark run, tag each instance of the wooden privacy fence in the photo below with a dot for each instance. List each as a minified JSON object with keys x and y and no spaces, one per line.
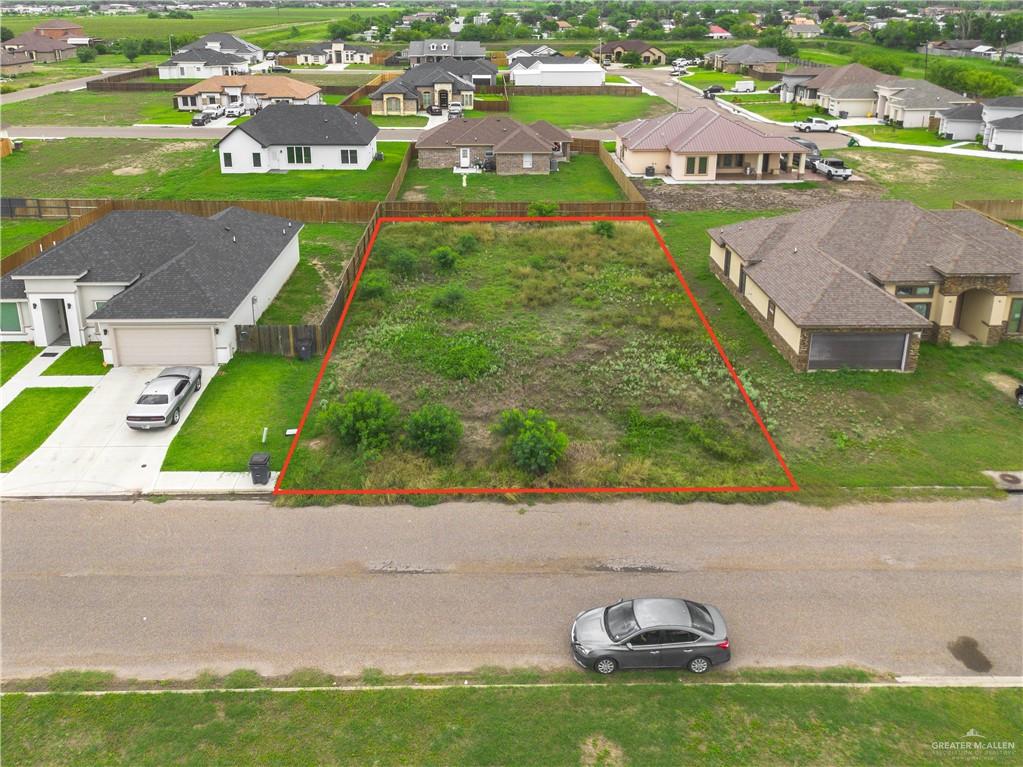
{"x":496,"y":208}
{"x":611,"y":89}
{"x":1001,"y":211}
{"x":399,"y":177}
{"x":363,"y":91}
{"x":133,"y":81}
{"x":31,"y":207}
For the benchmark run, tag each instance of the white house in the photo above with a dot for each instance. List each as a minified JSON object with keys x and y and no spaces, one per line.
{"x":251,"y":91}
{"x":912,"y":103}
{"x":556,"y":71}
{"x":299,"y":137}
{"x":1005,"y":135}
{"x":225,"y":42}
{"x":334,"y":52}
{"x":714,"y":32}
{"x":530,"y":51}
{"x":154,"y":287}
{"x":999,"y":109}
{"x":202,"y":63}
{"x":962,"y":123}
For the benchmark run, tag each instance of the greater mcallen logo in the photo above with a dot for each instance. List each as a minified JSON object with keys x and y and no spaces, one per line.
{"x":974,"y":742}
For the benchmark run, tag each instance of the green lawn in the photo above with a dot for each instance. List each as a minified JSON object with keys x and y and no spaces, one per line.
{"x":78,"y":361}
{"x":31,"y":417}
{"x":16,"y":233}
{"x":583,"y":178}
{"x":399,"y":121}
{"x":651,"y":725}
{"x":14,"y":355}
{"x":586,"y":111}
{"x":772,"y":108}
{"x":58,"y":71}
{"x":935,"y":180}
{"x":325,"y":248}
{"x":95,"y":108}
{"x":226,"y":426}
{"x":703,"y":78}
{"x":941,"y":425}
{"x":168,"y":170}
{"x":919,"y":136}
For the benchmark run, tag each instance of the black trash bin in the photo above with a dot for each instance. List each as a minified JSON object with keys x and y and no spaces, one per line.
{"x":259,"y":468}
{"x":304,"y":349}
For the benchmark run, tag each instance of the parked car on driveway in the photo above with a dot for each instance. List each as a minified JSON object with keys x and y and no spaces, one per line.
{"x":234,"y":110}
{"x":744,"y":86}
{"x":277,"y":69}
{"x":815,"y":125}
{"x":201,"y":118}
{"x":708,"y":93}
{"x":831,"y":167}
{"x":434,"y":109}
{"x":160,"y":403}
{"x":813,"y":152}
{"x":455,"y":109}
{"x":215,"y":111}
{"x":776,"y":88}
{"x":651,"y":633}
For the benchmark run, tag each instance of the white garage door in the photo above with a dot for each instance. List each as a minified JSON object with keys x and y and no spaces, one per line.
{"x":164,"y":346}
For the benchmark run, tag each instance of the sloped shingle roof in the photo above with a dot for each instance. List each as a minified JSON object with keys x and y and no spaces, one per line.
{"x":505,"y":135}
{"x":700,"y":130}
{"x":268,"y":86}
{"x":423,"y":76}
{"x":750,"y":54}
{"x":206,"y":56}
{"x":308,"y":125}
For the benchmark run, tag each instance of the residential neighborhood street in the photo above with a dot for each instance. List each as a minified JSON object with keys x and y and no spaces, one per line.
{"x":166,"y":590}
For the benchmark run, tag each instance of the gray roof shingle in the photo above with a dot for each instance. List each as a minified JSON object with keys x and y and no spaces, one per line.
{"x":424,"y":76}
{"x":206,"y":56}
{"x":308,"y":125}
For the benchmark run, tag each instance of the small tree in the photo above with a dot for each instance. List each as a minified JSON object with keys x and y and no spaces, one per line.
{"x":374,"y":285}
{"x":434,"y":430}
{"x":444,"y":257}
{"x":542,"y":209}
{"x":365,"y":419}
{"x":6,"y":33}
{"x":467,"y":244}
{"x":632,"y":58}
{"x":86,"y":54}
{"x":130,"y":49}
{"x":604,"y":229}
{"x":534,"y":440}
{"x":403,"y":263}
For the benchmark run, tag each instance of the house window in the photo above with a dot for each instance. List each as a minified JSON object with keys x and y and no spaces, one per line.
{"x":914,"y":290}
{"x":227,"y":160}
{"x":702,"y":166}
{"x":181,"y":71}
{"x":742,"y":280}
{"x":300,"y":155}
{"x":257,"y":160}
{"x":527,"y":159}
{"x":97,"y":305}
{"x":10,"y":319}
{"x":728,"y":261}
{"x":690,"y":166}
{"x":923,"y":308}
{"x":349,"y":156}
{"x":726,"y":160}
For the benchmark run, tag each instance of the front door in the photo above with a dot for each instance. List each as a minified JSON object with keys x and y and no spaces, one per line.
{"x":443,"y":99}
{"x":766,"y":164}
{"x":464,"y":157}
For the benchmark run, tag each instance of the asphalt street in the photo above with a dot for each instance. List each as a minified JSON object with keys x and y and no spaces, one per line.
{"x":45,"y":90}
{"x":165,"y":590}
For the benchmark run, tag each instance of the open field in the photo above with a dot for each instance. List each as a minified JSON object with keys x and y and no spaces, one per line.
{"x":941,"y":425}
{"x":935,"y":180}
{"x":16,"y":233}
{"x":584,"y":177}
{"x":44,"y":74}
{"x":324,"y":251}
{"x":645,"y":724}
{"x":595,"y":332}
{"x":586,"y":111}
{"x":704,"y":78}
{"x":96,"y":108}
{"x":317,"y":77}
{"x":14,"y":355}
{"x":168,"y":169}
{"x":31,"y":417}
{"x":772,"y":108}
{"x":919,"y":136}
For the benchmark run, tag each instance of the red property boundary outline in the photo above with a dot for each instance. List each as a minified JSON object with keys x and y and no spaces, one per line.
{"x":793,"y":486}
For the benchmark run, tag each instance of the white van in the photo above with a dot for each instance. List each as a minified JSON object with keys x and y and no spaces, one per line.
{"x":744,"y":86}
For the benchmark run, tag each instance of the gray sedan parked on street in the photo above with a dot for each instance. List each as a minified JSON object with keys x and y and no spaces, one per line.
{"x":163,"y":398}
{"x":651,"y":633}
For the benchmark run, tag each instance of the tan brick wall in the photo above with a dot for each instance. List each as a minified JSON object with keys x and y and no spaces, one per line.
{"x":511,"y":165}
{"x":437,"y":158}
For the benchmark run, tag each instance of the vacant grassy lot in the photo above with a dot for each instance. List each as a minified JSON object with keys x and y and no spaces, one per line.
{"x":14,"y":355}
{"x":941,"y":425}
{"x":31,"y":417}
{"x":164,"y":169}
{"x":582,"y":178}
{"x":935,"y":180}
{"x":704,"y":78}
{"x":16,"y":233}
{"x":58,"y":71}
{"x":78,"y":361}
{"x":919,"y":136}
{"x":595,"y":332}
{"x":586,"y":111}
{"x":772,"y":108}
{"x":324,"y":250}
{"x":646,"y":724}
{"x":252,"y":391}
{"x":94,"y":108}
{"x":399,"y":121}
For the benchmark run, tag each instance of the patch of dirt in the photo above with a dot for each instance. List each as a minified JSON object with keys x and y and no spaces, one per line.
{"x":1004,"y":383}
{"x":316,"y":444}
{"x":756,"y":197}
{"x":179,"y":146}
{"x":599,"y":751}
{"x":131,"y":170}
{"x":415,"y":194}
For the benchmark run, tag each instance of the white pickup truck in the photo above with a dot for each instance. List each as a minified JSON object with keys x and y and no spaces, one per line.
{"x":831,"y":167}
{"x":815,"y":125}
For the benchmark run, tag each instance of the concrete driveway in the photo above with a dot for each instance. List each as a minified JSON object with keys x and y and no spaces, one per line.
{"x":93,"y":452}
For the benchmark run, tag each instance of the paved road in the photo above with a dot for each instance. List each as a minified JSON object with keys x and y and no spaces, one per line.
{"x":167,"y":590}
{"x":58,"y":87}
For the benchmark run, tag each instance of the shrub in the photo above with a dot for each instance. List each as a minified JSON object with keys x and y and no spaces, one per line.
{"x":468,"y":244}
{"x":403,"y":263}
{"x":450,"y":298}
{"x":534,"y":440}
{"x":887,"y":64}
{"x":242,"y":679}
{"x":131,"y":49}
{"x":434,"y":430}
{"x":542,"y":209}
{"x":604,"y":229}
{"x":86,"y":54}
{"x":365,"y":419}
{"x":374,"y":285}
{"x":444,"y":257}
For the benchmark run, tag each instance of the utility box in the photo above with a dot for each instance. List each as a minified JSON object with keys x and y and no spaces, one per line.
{"x":259,"y":468}
{"x":304,"y":349}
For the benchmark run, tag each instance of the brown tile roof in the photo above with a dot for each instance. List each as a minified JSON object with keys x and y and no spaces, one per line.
{"x":268,"y":86}
{"x":32,"y":41}
{"x":819,"y":265}
{"x":57,"y":24}
{"x":505,"y":135}
{"x":699,"y":130}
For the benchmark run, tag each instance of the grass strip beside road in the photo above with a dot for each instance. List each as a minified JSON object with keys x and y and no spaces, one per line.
{"x":645,"y":724}
{"x":918,"y":136}
{"x":33,"y":416}
{"x":14,"y":355}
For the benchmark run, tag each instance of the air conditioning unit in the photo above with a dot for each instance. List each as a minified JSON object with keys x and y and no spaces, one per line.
{"x":650,"y":171}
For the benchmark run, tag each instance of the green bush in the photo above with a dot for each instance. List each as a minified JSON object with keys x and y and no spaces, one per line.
{"x":434,"y":430}
{"x":604,"y":228}
{"x":403,"y":263}
{"x":243,"y":679}
{"x":444,"y":258}
{"x":365,"y":419}
{"x":449,"y":299}
{"x":374,"y":285}
{"x":534,"y":440}
{"x":542,"y":209}
{"x":86,"y":54}
{"x":468,"y":244}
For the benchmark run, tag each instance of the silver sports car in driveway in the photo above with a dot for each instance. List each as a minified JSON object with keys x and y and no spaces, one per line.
{"x":163,"y":398}
{"x":651,"y":633}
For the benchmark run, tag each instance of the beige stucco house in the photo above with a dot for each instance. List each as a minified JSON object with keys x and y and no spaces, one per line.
{"x":860,"y":284}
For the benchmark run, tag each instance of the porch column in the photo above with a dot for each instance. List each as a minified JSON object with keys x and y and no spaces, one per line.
{"x":760,"y":166}
{"x":802,"y":165}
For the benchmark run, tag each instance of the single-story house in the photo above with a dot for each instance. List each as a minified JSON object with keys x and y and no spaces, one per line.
{"x":515,"y":148}
{"x":15,"y":63}
{"x":1014,"y":51}
{"x":859,"y":284}
{"x":202,"y":63}
{"x":333,"y":52}
{"x":847,"y":89}
{"x":428,"y":51}
{"x":703,"y":144}
{"x":962,"y":123}
{"x":251,"y":91}
{"x":299,"y":137}
{"x":420,"y":87}
{"x":802,"y":31}
{"x":41,"y":48}
{"x":153,"y":287}
{"x":616,"y":49}
{"x":998,"y":109}
{"x":1006,"y":134}
{"x":556,"y":71}
{"x":913,"y":103}
{"x":954,"y":48}
{"x":715,"y":32}
{"x":530,"y":51}
{"x":793,"y":76}
{"x":59,"y":29}
{"x":742,"y":58}
{"x":227,"y":43}
{"x":476,"y":71}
